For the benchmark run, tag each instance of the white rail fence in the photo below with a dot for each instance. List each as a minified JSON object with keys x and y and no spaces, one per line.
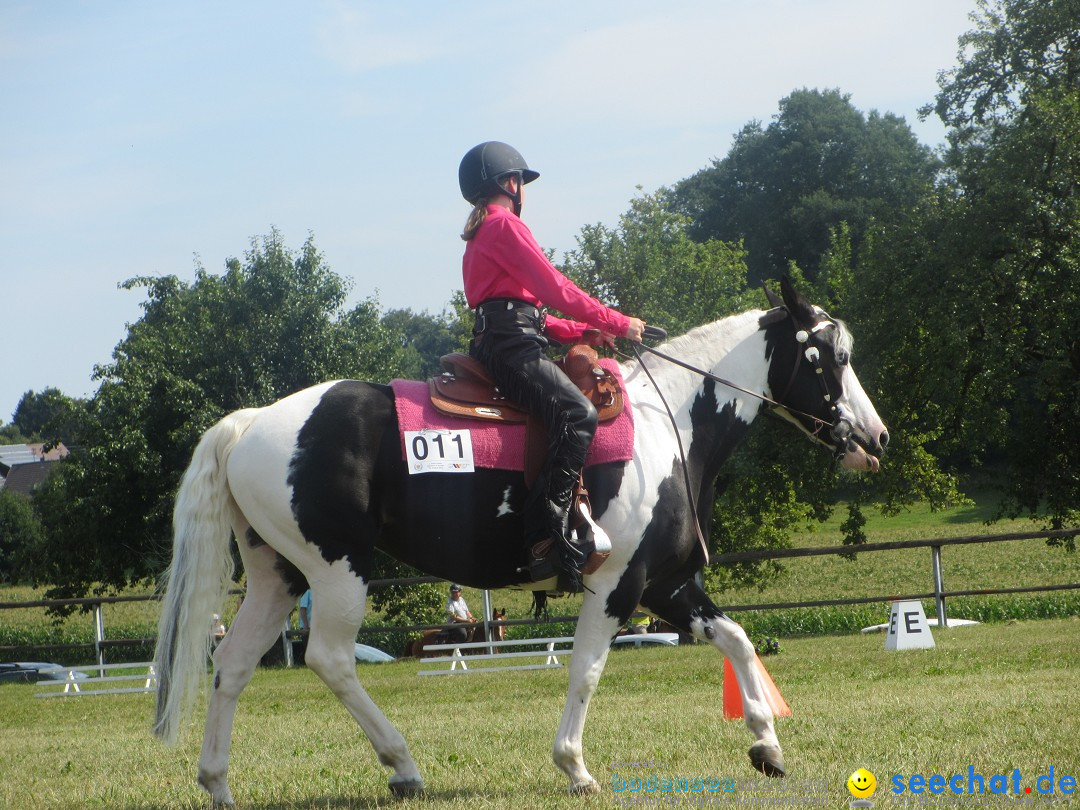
{"x":75,"y":682}
{"x":464,"y":664}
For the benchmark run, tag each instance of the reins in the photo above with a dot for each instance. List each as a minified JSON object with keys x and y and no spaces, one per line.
{"x":821,"y":423}
{"x":727,"y":383}
{"x":678,"y":438}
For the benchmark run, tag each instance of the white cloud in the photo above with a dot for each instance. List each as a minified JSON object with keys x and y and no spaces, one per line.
{"x":713,"y":63}
{"x":352,"y":38}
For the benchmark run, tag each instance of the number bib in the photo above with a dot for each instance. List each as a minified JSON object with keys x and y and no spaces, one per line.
{"x":433,"y":450}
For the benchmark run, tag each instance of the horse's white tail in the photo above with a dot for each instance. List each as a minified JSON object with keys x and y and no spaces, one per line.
{"x":199,"y":576}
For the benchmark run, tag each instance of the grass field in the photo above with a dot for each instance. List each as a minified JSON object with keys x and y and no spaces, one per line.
{"x":995,"y":697}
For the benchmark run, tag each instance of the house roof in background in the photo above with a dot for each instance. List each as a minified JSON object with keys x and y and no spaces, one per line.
{"x":11,"y":454}
{"x":25,"y":478}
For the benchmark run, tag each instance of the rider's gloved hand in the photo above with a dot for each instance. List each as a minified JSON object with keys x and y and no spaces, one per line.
{"x":635,"y":330}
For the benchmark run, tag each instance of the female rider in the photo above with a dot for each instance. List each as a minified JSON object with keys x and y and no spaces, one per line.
{"x":508,"y":280}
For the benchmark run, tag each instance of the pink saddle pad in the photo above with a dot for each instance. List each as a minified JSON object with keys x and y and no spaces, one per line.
{"x":500,"y":445}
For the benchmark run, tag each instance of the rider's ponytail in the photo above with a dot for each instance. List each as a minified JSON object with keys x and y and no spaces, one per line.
{"x":475,"y":220}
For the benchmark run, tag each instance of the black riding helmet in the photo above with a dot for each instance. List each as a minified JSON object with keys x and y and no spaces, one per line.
{"x":485,"y":165}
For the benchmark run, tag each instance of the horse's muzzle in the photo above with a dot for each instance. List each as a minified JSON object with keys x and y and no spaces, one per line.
{"x":855,"y":452}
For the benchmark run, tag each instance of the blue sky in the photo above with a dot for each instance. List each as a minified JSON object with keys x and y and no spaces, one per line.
{"x":137,"y":138}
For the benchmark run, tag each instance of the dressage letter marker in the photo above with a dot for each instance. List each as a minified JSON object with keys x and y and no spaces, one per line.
{"x":448,"y":451}
{"x":908,"y":628}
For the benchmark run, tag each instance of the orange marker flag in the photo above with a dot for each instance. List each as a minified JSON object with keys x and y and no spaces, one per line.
{"x":733,"y":708}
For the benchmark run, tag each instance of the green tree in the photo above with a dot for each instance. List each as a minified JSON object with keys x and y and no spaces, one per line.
{"x":35,"y":410}
{"x":1019,"y":50}
{"x":49,"y":416}
{"x":649,"y":267}
{"x":424,"y":338}
{"x":978,"y":334}
{"x":19,"y":531}
{"x":10,"y":434}
{"x":421,"y":603}
{"x":782,"y":188}
{"x":268,"y":326}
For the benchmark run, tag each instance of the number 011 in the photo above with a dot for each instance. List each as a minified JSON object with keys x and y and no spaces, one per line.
{"x":438,"y":451}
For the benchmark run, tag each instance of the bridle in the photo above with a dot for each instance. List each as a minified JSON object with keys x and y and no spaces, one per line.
{"x":813,"y":356}
{"x":841,"y":427}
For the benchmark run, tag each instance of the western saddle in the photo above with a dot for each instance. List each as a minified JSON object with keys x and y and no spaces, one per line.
{"x":466,"y":389}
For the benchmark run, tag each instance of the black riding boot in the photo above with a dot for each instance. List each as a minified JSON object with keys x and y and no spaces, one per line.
{"x":572,"y":555}
{"x":556,"y":553}
{"x":510,"y":345}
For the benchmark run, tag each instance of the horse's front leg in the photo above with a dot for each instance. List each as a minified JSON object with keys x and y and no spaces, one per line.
{"x":595,"y":629}
{"x":687,"y":607}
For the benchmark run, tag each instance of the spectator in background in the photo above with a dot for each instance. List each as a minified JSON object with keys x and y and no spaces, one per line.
{"x":457,"y":611}
{"x":305,"y":610}
{"x":217,"y":629}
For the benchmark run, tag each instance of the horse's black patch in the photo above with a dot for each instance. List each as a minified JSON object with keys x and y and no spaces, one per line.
{"x":604,"y":482}
{"x":253,"y":539}
{"x":667,"y":543}
{"x":463,"y":527}
{"x":291,"y":576}
{"x":331,"y":472}
{"x":669,"y":551}
{"x":706,"y":612}
{"x":352,"y":493}
{"x":717,"y":431}
{"x":680,"y":603}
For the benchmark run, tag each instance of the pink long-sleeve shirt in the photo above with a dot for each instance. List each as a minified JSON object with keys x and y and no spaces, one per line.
{"x":503,"y":260}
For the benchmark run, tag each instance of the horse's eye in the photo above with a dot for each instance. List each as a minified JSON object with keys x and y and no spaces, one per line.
{"x":842,"y":358}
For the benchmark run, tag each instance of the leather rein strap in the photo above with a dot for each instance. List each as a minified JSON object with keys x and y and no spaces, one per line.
{"x":682,"y":452}
{"x":727,"y":383}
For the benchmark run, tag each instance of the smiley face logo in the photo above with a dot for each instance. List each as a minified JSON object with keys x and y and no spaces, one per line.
{"x":862,"y":784}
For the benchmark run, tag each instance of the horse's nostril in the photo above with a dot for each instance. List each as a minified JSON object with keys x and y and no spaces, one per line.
{"x":884,"y":439}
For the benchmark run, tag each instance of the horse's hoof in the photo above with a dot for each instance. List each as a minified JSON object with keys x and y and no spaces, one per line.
{"x":406,"y":788}
{"x":218,"y":789}
{"x":767,"y":759}
{"x":584,"y":788}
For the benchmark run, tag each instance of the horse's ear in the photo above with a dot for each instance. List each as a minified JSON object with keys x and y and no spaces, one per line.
{"x":774,"y":299}
{"x":801,"y":309}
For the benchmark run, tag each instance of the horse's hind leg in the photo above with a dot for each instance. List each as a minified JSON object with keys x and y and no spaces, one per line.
{"x":337,"y":606}
{"x":689,"y":608}
{"x":257,"y":625}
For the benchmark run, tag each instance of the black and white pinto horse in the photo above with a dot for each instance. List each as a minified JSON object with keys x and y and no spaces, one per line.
{"x":311,"y":485}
